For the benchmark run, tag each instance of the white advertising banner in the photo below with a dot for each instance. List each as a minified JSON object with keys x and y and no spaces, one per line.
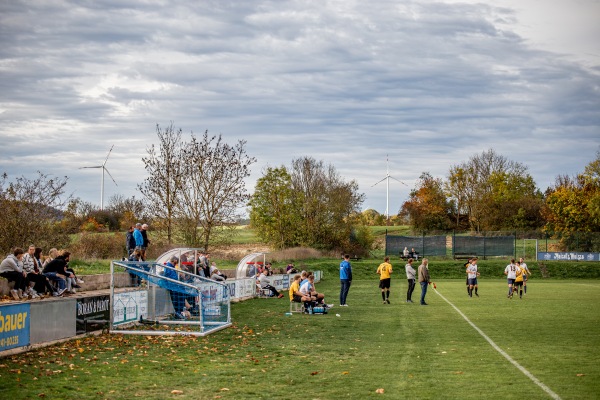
{"x":130,"y":306}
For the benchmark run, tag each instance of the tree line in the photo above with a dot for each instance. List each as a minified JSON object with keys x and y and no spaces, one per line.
{"x":195,"y":194}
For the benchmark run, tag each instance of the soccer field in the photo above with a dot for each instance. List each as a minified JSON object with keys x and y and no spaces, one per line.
{"x":546,"y":345}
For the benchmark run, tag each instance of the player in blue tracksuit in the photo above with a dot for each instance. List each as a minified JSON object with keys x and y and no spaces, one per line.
{"x":345,"y":279}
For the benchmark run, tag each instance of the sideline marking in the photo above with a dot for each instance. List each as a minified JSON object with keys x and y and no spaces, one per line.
{"x":502,"y":352}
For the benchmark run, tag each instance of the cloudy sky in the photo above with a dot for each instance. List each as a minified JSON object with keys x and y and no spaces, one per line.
{"x":347,"y":82}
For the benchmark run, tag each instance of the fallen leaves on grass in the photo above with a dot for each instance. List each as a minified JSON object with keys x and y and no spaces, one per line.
{"x":314,"y":373}
{"x":176,"y":391}
{"x":580,"y":374}
{"x":345,"y":373}
{"x":380,"y":391}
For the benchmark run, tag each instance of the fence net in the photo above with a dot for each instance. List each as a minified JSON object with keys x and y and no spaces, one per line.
{"x":185,"y":304}
{"x":425,"y":246}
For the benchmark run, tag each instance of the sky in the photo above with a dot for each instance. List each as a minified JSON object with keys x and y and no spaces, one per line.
{"x":425,"y":85}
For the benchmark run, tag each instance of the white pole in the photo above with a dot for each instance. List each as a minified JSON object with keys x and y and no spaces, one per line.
{"x":102,"y":191}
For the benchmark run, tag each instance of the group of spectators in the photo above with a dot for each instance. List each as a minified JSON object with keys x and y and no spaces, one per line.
{"x":137,"y":239}
{"x":302,"y":290}
{"x":35,"y":279}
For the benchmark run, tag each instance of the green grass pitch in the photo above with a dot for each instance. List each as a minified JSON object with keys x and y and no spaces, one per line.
{"x":409,"y":351}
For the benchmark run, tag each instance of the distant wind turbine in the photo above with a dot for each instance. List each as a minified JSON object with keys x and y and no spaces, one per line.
{"x":103,"y":166}
{"x":387,"y":178}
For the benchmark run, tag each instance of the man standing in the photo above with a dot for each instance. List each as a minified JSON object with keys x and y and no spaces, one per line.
{"x":146,"y":242}
{"x":137,"y":236}
{"x":385,"y":277}
{"x":345,"y":279}
{"x":410,"y":277}
{"x":472,"y":275}
{"x":424,"y":279}
{"x":130,"y":241}
{"x":526,"y":273}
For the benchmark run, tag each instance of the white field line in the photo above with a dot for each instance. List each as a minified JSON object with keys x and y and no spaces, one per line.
{"x":502,"y":352}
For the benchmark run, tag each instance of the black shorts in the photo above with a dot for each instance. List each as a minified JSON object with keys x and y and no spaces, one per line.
{"x":297,"y":299}
{"x":518,"y":283}
{"x":385,"y":283}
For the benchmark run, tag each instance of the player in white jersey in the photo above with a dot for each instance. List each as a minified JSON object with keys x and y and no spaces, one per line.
{"x":472,"y":275}
{"x":526,"y":273}
{"x":511,"y":274}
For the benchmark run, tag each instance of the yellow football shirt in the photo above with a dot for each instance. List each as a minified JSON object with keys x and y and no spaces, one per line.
{"x":385,"y":270}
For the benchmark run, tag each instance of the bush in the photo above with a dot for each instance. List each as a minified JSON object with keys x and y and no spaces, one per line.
{"x":99,"y":246}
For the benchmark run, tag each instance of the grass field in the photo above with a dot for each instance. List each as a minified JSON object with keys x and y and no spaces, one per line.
{"x":409,"y":351}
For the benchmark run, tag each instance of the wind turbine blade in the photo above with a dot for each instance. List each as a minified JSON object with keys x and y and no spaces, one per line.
{"x":97,"y":166}
{"x":398,"y":180}
{"x":380,"y":181}
{"x":113,"y":179}
{"x":108,"y":155}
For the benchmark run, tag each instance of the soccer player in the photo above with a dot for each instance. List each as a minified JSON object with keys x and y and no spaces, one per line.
{"x":519,"y":279}
{"x":467,"y":265}
{"x":525,"y":274}
{"x":472,"y":275}
{"x":385,"y":277}
{"x":511,"y":274}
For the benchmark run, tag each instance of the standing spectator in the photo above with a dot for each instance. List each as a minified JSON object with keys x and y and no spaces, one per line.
{"x":385,"y":277}
{"x":345,"y":279}
{"x":264,"y":282}
{"x":11,"y":268}
{"x":472,"y":275}
{"x":410,"y":276}
{"x":526,"y":273}
{"x":511,"y":274}
{"x":424,"y":279}
{"x":138,"y":237}
{"x":146,"y":241}
{"x":130,"y":241}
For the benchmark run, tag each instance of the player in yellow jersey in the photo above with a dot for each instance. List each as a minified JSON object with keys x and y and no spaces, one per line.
{"x":519,"y":279}
{"x":385,"y":277}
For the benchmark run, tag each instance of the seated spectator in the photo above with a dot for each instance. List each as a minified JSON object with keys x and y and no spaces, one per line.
{"x":264,"y":283}
{"x":29,"y":269}
{"x":215,"y":274}
{"x":72,"y":280}
{"x":414,"y":254}
{"x":41,"y":282}
{"x":56,"y":271}
{"x":269,"y":269}
{"x":11,"y":268}
{"x":405,"y":253}
{"x":181,"y":301}
{"x":52,"y":253}
{"x":290,"y":269}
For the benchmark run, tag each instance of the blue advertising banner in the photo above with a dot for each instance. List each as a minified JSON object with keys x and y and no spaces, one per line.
{"x":567,"y":256}
{"x":14,"y":326}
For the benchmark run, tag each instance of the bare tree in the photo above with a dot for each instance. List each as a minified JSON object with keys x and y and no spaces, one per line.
{"x":214,"y":189}
{"x":164,"y":168}
{"x":31,"y":212}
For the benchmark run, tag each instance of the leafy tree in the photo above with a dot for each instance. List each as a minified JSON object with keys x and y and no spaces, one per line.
{"x":427,"y":207}
{"x":127,"y":211}
{"x":274,"y":208}
{"x":31,"y":211}
{"x":494,"y":192}
{"x":573,"y":204}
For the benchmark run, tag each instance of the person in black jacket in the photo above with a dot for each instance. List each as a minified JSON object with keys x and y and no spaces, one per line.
{"x":130,"y":241}
{"x":146,"y":240}
{"x":56,"y":271}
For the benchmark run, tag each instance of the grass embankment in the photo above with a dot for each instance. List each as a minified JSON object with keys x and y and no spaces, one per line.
{"x":409,"y":351}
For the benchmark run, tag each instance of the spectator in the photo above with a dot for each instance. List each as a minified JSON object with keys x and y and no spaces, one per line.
{"x":405,"y":252}
{"x":136,"y":256}
{"x":178,"y":299}
{"x":264,"y":282}
{"x":41,"y":282}
{"x":11,"y":268}
{"x":414,"y":254}
{"x":290,"y":269}
{"x":424,"y":279}
{"x":137,"y":236}
{"x":29,"y":269}
{"x":74,"y":280}
{"x":146,"y":241}
{"x":56,"y":271}
{"x":203,"y":265}
{"x":345,"y":279}
{"x":52,"y":254}
{"x":216,"y":275}
{"x":269,"y":269}
{"x":130,"y":241}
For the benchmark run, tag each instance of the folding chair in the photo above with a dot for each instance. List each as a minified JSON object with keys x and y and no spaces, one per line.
{"x":262,"y":293}
{"x":296,"y":307}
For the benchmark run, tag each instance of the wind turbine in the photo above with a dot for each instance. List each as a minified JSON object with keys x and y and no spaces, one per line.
{"x":387,"y":178}
{"x":103,"y":166}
